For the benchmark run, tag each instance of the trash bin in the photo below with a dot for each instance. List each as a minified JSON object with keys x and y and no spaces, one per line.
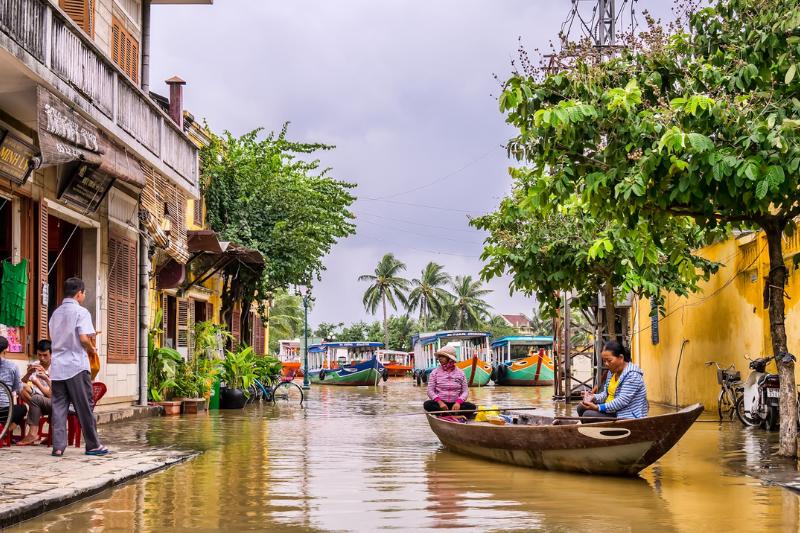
{"x":213,"y":401}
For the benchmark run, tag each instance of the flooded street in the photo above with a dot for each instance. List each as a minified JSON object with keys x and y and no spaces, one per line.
{"x":349,"y":463}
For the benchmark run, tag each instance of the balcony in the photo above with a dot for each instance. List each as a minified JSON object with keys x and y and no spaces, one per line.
{"x":58,"y":55}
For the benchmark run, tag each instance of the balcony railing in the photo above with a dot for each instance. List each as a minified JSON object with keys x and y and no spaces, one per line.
{"x":53,"y":40}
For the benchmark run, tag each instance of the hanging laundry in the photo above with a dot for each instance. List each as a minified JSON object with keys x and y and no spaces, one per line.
{"x":14,"y":290}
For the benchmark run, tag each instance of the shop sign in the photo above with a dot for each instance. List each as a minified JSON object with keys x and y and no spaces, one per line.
{"x":86,"y":187}
{"x":16,"y":158}
{"x":64,"y":135}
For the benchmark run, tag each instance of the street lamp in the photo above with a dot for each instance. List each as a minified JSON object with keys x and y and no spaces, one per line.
{"x":304,"y":291}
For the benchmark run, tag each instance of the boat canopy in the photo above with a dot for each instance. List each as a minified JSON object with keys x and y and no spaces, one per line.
{"x":329,"y":354}
{"x":523,"y":339}
{"x":468,"y":344}
{"x":434,"y":336}
{"x":352,"y":344}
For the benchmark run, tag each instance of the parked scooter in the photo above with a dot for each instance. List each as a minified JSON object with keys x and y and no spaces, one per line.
{"x":758,"y":405}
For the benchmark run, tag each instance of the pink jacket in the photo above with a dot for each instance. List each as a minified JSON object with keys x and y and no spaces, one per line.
{"x":448,"y":387}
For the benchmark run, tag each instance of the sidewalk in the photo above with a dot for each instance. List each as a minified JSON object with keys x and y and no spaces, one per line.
{"x":34,"y":482}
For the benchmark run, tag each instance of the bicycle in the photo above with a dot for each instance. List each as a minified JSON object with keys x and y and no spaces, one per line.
{"x":5,"y":412}
{"x":731,"y":389}
{"x":284,"y":390}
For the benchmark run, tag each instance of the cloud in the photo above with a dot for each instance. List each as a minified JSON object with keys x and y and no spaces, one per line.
{"x":403,"y":88}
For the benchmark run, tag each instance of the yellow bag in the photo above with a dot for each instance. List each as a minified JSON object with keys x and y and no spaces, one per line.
{"x":94,"y":360}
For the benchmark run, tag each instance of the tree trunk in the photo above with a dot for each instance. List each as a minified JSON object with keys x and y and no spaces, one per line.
{"x":776,"y":281}
{"x":246,"y":322}
{"x":611,"y":311}
{"x":385,"y":323}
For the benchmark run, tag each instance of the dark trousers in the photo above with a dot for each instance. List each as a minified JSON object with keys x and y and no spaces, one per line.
{"x":17,"y":413}
{"x":77,"y":391}
{"x":591,"y":413}
{"x":432,"y":406}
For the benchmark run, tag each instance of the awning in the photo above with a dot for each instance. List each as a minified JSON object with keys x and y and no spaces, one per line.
{"x":205,"y":240}
{"x":210,"y":255}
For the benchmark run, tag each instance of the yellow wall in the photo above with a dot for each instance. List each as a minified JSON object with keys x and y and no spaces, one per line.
{"x":724,"y":322}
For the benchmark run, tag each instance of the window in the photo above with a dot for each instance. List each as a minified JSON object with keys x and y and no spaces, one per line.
{"x":122,"y":330}
{"x":124,"y":50}
{"x":81,"y":12}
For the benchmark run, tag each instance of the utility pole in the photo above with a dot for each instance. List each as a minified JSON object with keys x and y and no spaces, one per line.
{"x":598,"y":21}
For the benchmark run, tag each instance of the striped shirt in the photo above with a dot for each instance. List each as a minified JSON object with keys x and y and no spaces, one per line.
{"x":448,"y":387}
{"x":630,"y":396}
{"x":9,"y":374}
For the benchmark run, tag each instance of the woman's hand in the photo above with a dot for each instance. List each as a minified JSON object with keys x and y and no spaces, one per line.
{"x":456,"y":406}
{"x":588,"y":396}
{"x":442,"y":405}
{"x":590,"y":405}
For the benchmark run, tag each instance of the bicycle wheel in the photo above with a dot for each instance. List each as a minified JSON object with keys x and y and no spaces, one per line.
{"x":6,"y":401}
{"x":746,"y":418}
{"x":726,"y":404}
{"x":288,"y":392}
{"x":263,"y":393}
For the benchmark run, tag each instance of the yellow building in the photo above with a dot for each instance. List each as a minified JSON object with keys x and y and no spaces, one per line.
{"x":725,"y":322}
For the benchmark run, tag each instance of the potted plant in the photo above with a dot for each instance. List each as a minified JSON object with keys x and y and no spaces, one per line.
{"x":162,"y":369}
{"x":187,"y":389}
{"x":238,"y":373}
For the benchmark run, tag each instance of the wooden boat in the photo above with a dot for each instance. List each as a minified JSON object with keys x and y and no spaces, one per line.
{"x":289,"y":355}
{"x":523,"y":360}
{"x":397,"y":364}
{"x":351,"y":364}
{"x":471,"y":347}
{"x":617,"y":447}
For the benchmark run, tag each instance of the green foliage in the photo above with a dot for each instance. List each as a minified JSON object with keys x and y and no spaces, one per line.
{"x":498,"y":327}
{"x":267,"y":369}
{"x":239,"y":368}
{"x":209,"y":339}
{"x":429,"y":294}
{"x":162,"y":371}
{"x":285,"y":318}
{"x":386,"y":286}
{"x":467,"y":308}
{"x":265,"y":194}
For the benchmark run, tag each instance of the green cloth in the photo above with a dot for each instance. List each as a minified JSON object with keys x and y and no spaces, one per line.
{"x":13,"y":292}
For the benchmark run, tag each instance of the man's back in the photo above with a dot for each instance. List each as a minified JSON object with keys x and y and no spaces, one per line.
{"x":67,"y":324}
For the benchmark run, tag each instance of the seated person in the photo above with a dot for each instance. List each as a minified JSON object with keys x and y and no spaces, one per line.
{"x":447,"y":386}
{"x":36,"y":392}
{"x":624,"y":394}
{"x":9,"y":374}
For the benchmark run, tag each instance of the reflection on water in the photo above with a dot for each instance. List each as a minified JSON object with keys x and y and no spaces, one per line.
{"x":352,"y":462}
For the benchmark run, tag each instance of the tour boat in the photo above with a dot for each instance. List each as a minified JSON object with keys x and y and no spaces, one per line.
{"x":472,"y":349}
{"x":346,"y":363}
{"x":613,"y":447}
{"x":523,"y":360}
{"x":289,"y":355}
{"x":397,"y":364}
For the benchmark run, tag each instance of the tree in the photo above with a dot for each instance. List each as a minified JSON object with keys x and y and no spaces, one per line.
{"x":467,"y":308}
{"x":708,"y":121}
{"x":386,"y":286}
{"x":401,"y":328}
{"x":261,"y":195}
{"x":285,"y":318}
{"x":357,"y":332}
{"x":429,"y":294}
{"x":328,"y":331}
{"x":498,"y":327}
{"x":548,"y":251}
{"x":542,"y":325}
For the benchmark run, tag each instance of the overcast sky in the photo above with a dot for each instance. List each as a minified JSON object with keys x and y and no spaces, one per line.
{"x":404,"y":88}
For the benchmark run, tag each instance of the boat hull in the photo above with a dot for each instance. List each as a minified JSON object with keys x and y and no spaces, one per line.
{"x":291,"y":368}
{"x":483,"y":372}
{"x":397,"y":371}
{"x":619,"y":447}
{"x":363,"y":374}
{"x":531,"y":371}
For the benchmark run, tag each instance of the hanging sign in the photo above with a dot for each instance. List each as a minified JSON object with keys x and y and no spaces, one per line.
{"x":85,"y":187}
{"x":64,"y":135}
{"x":16,"y":158}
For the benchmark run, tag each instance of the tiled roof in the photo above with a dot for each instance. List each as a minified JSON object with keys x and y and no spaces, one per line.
{"x":517,"y":321}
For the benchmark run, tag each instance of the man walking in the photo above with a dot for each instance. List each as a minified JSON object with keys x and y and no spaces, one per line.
{"x":70,"y":332}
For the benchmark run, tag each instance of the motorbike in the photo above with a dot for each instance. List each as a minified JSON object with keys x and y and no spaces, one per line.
{"x":758,"y":405}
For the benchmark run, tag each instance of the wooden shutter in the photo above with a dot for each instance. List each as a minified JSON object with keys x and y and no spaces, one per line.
{"x":258,"y":335}
{"x":210,"y":312}
{"x":44,"y":264}
{"x":124,"y":50}
{"x":182,"y":329}
{"x":198,"y":212}
{"x":81,"y":12}
{"x":164,"y":320}
{"x":122,"y":331}
{"x":236,"y":328}
{"x":190,"y":330}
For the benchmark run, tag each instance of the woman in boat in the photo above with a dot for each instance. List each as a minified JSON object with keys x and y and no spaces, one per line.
{"x":447,"y":385}
{"x":624,"y":394}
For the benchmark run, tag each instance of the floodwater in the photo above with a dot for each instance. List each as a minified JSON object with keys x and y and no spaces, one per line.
{"x":349,"y":462}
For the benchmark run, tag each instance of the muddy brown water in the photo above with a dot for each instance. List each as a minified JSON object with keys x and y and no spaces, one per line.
{"x":345,"y":463}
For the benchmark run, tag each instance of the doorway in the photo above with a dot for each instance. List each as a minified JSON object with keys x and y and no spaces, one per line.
{"x":64,"y":257}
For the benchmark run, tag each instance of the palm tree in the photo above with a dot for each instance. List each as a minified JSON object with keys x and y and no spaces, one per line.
{"x":428,"y":293}
{"x":386,"y":286}
{"x":467,"y":309}
{"x":285,"y":317}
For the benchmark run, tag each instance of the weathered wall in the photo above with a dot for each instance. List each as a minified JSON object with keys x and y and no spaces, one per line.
{"x":724,"y":322}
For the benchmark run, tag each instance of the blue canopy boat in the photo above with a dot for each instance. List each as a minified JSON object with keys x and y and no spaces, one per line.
{"x":345,"y":363}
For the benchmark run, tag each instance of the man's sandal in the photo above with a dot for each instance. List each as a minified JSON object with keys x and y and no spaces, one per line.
{"x":57,"y":453}
{"x":102,"y":450}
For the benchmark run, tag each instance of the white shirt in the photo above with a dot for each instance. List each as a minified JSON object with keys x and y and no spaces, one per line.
{"x":67,"y":324}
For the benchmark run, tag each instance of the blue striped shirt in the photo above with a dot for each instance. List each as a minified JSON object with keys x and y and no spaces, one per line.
{"x":630,"y":399}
